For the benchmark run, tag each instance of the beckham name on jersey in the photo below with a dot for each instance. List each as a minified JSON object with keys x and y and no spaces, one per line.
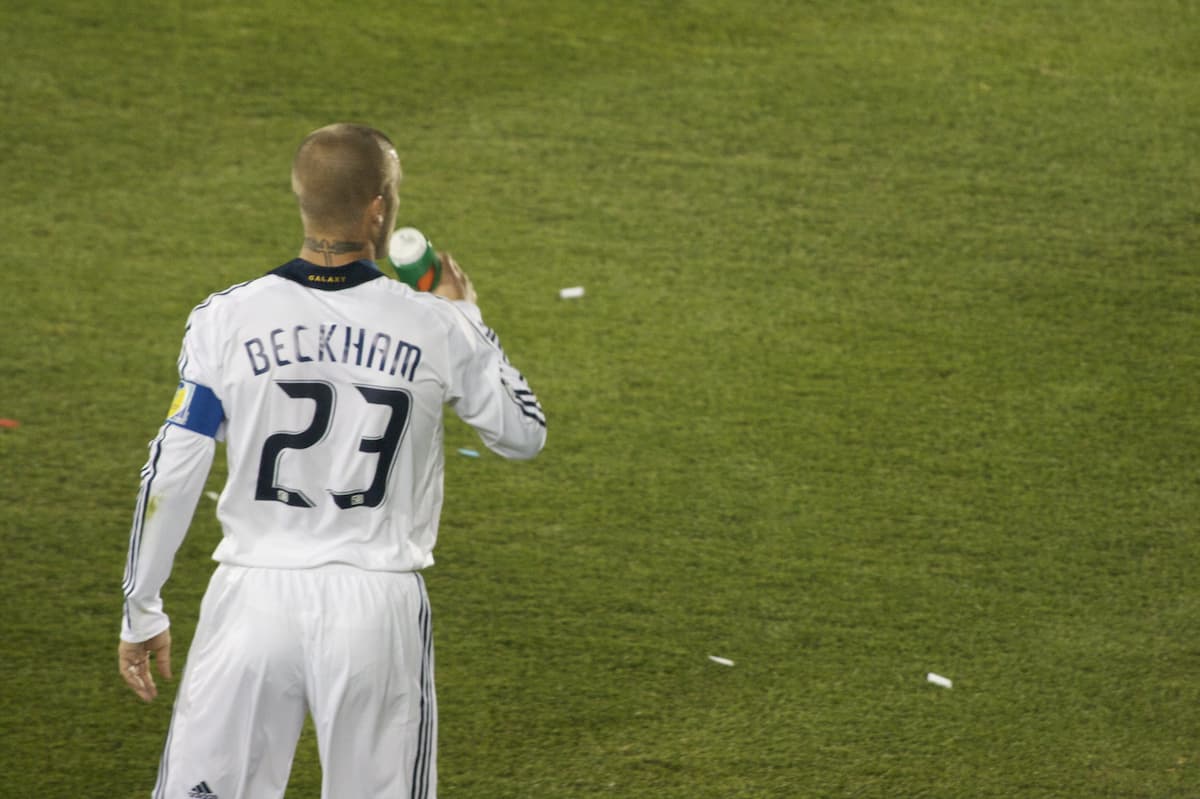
{"x":333,"y":343}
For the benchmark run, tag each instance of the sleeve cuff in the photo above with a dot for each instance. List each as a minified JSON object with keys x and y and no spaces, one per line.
{"x":142,"y":624}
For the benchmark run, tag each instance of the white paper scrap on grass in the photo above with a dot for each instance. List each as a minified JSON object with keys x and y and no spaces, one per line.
{"x":938,"y":679}
{"x":213,"y":495}
{"x":572,"y":293}
{"x":721,"y":661}
{"x":470,"y":453}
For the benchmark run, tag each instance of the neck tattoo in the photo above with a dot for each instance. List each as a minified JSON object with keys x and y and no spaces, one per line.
{"x":329,"y":248}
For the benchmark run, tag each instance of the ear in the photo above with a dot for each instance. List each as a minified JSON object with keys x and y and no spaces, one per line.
{"x":376,"y":209}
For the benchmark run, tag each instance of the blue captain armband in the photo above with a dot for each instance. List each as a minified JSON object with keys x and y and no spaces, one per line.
{"x":196,"y":408}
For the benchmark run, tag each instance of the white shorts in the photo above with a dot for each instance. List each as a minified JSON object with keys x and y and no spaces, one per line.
{"x":353,"y":648}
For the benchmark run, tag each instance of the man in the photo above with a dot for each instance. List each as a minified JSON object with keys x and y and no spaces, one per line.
{"x":327,"y":382}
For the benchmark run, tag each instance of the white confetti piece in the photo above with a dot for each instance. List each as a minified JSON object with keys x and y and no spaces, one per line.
{"x":721,"y":661}
{"x":470,"y":453}
{"x":572,"y":293}
{"x":938,"y":679}
{"x":213,"y":495}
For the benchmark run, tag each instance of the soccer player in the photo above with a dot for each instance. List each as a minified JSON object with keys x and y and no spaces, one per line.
{"x":327,"y":382}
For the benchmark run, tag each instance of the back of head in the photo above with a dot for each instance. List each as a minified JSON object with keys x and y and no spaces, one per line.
{"x":337,"y":171}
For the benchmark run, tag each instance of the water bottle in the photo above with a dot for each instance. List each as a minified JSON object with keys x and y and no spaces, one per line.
{"x":413,"y":258}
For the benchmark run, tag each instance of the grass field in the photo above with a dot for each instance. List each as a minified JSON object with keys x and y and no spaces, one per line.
{"x":887,"y":365}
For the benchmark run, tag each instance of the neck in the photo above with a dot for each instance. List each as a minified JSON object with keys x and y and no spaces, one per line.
{"x":335,"y":251}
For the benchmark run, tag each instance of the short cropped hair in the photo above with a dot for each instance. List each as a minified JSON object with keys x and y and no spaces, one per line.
{"x":337,"y":171}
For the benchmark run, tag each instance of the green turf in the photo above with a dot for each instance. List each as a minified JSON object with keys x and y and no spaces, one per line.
{"x":887,"y":365}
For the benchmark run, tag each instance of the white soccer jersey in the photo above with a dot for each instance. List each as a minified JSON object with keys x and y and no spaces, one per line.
{"x":327,"y":385}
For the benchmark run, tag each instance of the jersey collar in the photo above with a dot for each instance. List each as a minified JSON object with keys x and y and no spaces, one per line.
{"x":328,"y":278}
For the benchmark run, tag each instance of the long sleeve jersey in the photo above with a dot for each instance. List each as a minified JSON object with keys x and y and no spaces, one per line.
{"x":328,"y":386}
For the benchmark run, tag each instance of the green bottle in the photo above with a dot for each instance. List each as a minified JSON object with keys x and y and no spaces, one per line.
{"x":414,"y":259}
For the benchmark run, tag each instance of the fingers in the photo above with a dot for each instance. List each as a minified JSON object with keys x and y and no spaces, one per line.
{"x":133,"y":660}
{"x":163,"y":656}
{"x":466,"y":291}
{"x":455,"y":284}
{"x":135,"y":670}
{"x":450,"y":285}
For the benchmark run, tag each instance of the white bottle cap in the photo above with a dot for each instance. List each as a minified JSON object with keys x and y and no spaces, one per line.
{"x":406,"y":246}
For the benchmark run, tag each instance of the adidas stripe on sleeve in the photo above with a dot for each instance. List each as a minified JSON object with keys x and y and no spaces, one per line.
{"x":171,"y":482}
{"x":489,"y":393}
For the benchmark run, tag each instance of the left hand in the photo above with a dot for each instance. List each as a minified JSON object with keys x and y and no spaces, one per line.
{"x":134,"y":662}
{"x":455,"y":284}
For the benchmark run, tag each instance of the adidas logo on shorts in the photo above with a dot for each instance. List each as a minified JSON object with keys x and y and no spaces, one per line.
{"x":202,"y":791}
